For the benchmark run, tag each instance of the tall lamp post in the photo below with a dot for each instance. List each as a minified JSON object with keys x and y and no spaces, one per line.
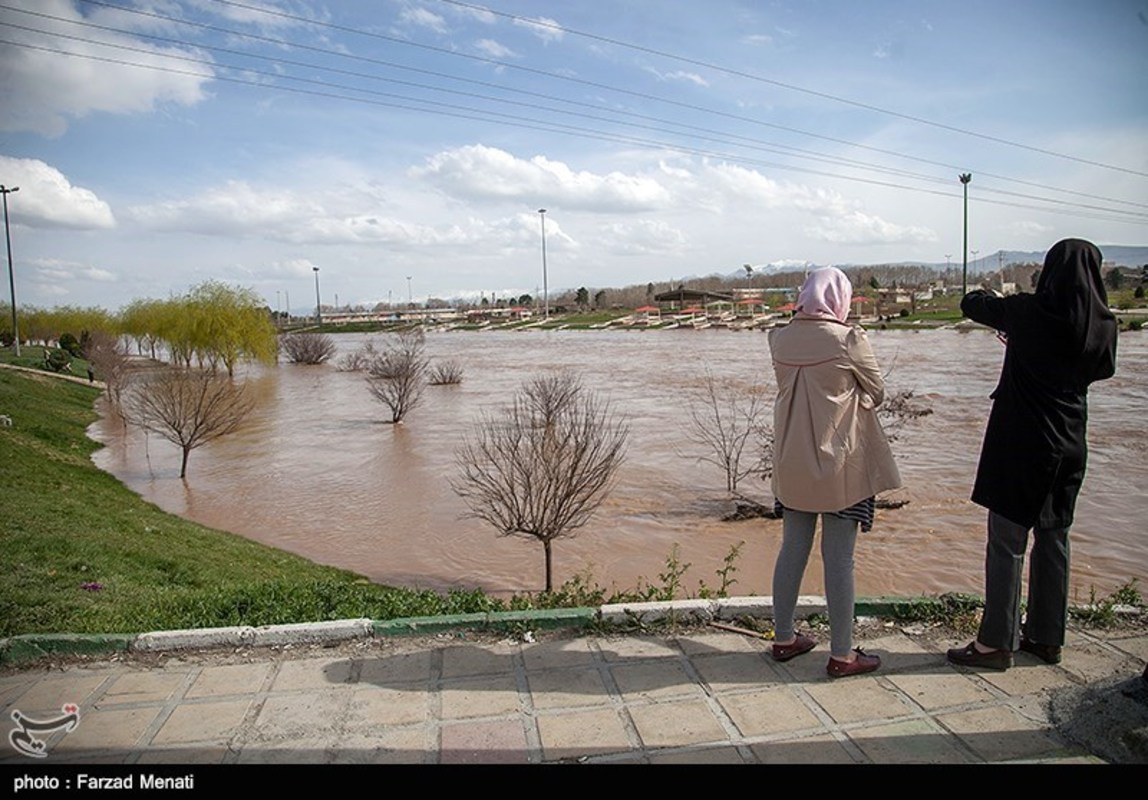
{"x":318,"y":304}
{"x":965,"y":178}
{"x":545,"y":286}
{"x":11,"y":275}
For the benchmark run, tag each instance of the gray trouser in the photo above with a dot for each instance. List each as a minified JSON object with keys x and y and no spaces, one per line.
{"x":1047,"y":611}
{"x":838,"y":537}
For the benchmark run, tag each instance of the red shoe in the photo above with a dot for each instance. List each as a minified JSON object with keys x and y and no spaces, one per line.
{"x":784,"y":652}
{"x":861,"y":664}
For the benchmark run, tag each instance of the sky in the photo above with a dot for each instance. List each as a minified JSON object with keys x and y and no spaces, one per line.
{"x":405,"y":147}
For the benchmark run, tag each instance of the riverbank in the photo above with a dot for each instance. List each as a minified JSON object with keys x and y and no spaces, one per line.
{"x":84,"y":554}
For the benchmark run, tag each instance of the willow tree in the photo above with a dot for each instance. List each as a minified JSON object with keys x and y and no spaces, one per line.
{"x":50,"y":324}
{"x":142,"y":320}
{"x":230,"y":324}
{"x":540,"y":467}
{"x":214,"y":324}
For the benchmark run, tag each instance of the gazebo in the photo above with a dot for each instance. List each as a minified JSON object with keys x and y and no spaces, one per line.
{"x":682,"y":297}
{"x":647,"y":315}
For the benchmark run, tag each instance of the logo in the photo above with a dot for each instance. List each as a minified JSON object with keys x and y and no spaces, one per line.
{"x":22,"y":737}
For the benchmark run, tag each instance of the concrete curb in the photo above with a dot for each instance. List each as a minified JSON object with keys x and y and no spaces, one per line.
{"x":31,"y":647}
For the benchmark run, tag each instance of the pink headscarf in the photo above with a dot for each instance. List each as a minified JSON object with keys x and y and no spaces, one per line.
{"x":826,"y":293}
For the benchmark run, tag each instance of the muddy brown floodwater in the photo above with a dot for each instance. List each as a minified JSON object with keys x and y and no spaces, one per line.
{"x":317,"y":471}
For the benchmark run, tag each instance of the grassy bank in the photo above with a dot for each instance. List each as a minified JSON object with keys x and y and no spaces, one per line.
{"x":84,"y":554}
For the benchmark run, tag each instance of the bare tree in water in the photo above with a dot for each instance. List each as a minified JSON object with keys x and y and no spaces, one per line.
{"x":307,"y":348}
{"x":540,"y":467}
{"x":727,"y":418}
{"x":188,"y":407}
{"x":107,"y":356}
{"x":397,"y":375}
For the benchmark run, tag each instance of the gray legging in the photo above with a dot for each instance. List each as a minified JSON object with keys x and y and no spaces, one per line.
{"x":838,"y":537}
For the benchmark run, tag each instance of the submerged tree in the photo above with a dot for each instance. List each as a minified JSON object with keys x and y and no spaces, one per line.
{"x":187,"y":407}
{"x":397,"y":375}
{"x":108,"y":358}
{"x":307,"y":348}
{"x":446,"y":373}
{"x":725,"y":419}
{"x":541,"y":466}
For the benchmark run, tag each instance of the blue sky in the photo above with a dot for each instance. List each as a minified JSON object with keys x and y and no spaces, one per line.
{"x":404,"y":147}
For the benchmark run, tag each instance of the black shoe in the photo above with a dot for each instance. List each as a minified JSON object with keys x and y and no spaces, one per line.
{"x":969,"y":656}
{"x":1048,"y":653}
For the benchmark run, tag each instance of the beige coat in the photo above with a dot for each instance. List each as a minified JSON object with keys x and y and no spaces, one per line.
{"x":829,"y":449}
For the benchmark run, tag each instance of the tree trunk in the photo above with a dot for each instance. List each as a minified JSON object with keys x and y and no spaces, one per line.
{"x":183,"y":466}
{"x":549,"y":562}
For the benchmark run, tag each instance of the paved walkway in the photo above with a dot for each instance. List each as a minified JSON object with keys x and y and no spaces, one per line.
{"x":702,"y":696}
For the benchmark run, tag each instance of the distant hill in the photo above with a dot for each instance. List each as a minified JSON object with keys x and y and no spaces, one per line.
{"x":1115,"y":255}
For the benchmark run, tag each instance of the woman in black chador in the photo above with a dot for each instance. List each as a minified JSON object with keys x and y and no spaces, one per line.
{"x":1057,"y":342}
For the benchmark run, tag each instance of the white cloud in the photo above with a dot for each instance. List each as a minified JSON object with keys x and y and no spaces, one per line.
{"x":678,"y":76}
{"x":732,"y":182}
{"x":688,"y":77}
{"x":546,"y":29}
{"x":758,"y":39}
{"x":263,"y":14}
{"x":292,"y":268}
{"x":480,"y":172}
{"x":478,"y":14}
{"x":423,"y":18}
{"x":96,"y":274}
{"x":859,"y":228}
{"x":48,"y":200}
{"x":238,"y":209}
{"x":59,"y":278}
{"x":494,"y":49}
{"x":40,"y":90}
{"x":641,"y":238}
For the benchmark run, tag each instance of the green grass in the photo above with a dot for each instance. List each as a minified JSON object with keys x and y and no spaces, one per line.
{"x":84,"y":554}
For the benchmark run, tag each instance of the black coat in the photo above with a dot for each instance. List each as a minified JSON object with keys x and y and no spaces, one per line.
{"x":1059,"y":340}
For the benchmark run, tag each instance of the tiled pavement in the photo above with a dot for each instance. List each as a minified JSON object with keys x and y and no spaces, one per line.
{"x":705,"y":697}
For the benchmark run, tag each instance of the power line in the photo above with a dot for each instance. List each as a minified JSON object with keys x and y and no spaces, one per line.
{"x":430,"y":106}
{"x":721,"y":137}
{"x":708,"y":65}
{"x":463,"y":112}
{"x":571,"y":79}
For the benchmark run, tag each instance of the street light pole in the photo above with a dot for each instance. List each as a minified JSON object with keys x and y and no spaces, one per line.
{"x":965,"y":178}
{"x":318,"y":303}
{"x":545,"y":286}
{"x":11,"y":275}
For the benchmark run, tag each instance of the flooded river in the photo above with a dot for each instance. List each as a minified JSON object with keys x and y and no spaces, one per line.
{"x":318,"y":472}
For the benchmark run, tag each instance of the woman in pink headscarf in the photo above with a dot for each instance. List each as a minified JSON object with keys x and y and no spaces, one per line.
{"x":830,"y":459}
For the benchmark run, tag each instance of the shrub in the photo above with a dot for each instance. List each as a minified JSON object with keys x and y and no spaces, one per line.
{"x":445,"y":373}
{"x":359,"y":360}
{"x":70,"y":343}
{"x":307,"y":348}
